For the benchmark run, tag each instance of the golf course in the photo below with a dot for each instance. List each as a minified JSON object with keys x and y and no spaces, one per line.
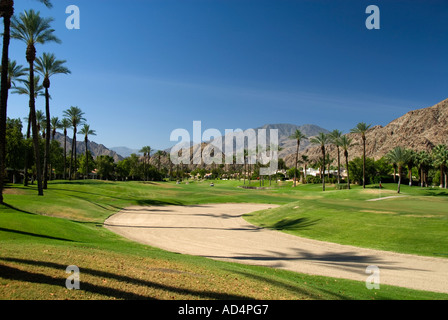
{"x":41,"y":236}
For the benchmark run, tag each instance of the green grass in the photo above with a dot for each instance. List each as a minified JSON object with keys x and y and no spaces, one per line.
{"x":416,"y":223}
{"x":41,"y":236}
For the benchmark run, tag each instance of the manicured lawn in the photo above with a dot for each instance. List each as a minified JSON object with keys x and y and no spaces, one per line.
{"x":415,"y":223}
{"x":41,"y":236}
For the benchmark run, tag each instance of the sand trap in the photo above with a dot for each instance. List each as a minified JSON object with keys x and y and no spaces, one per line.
{"x":218,"y":231}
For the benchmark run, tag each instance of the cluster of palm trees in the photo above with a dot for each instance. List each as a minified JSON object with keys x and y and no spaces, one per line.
{"x":438,"y":157}
{"x":33,"y":29}
{"x":399,"y":157}
{"x":341,"y":141}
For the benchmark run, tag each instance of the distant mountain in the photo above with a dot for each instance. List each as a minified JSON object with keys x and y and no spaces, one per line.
{"x":285,"y":131}
{"x":420,"y":129}
{"x":287,"y":146}
{"x":125,"y":151}
{"x":95,"y":148}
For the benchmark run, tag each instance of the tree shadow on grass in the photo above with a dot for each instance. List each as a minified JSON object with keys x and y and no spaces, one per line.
{"x":12,"y":273}
{"x":294,"y":224}
{"x":34,"y":234}
{"x":437,"y":193}
{"x":16,"y":209}
{"x":307,"y":293}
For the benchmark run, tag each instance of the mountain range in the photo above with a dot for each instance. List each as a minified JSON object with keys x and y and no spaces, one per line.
{"x":95,"y":148}
{"x":420,"y":129}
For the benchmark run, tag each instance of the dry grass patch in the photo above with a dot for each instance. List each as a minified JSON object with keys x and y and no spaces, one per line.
{"x":40,"y":274}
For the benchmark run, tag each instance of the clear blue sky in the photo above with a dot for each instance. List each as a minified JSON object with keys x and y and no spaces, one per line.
{"x":142,"y":68}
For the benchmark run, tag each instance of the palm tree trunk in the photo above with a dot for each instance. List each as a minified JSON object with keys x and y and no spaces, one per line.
{"x":4,"y":93}
{"x":441,"y":176}
{"x":339,"y":166}
{"x":346,"y":165}
{"x":65,"y":154}
{"x":297,"y":160}
{"x":87,"y":161}
{"x":399,"y":179}
{"x":323,"y":168}
{"x":28,"y":135}
{"x":364,"y":163}
{"x":30,"y":51}
{"x":47,"y":139}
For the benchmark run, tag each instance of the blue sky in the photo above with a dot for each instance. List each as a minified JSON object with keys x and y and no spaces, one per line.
{"x":142,"y":68}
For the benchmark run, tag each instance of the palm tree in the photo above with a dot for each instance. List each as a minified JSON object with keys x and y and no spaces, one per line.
{"x":32,"y":29}
{"x":15,"y":72}
{"x":86,"y":131}
{"x":159,"y":155}
{"x":6,"y":12}
{"x":321,"y":139}
{"x":40,"y":121}
{"x":65,"y":124}
{"x":297,"y":135}
{"x":412,"y":158}
{"x":25,"y":90}
{"x":361,"y":128}
{"x":146,"y":157}
{"x":346,"y":143}
{"x":335,"y":136}
{"x":440,"y":156}
{"x":305,"y":160}
{"x":47,"y":66}
{"x":400,"y":157}
{"x":423,"y":161}
{"x":76,"y":118}
{"x":55,"y":124}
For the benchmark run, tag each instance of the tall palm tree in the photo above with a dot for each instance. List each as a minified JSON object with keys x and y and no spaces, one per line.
{"x":146,"y":150}
{"x":298,"y":136}
{"x":55,"y":125}
{"x":423,"y":161}
{"x":440,"y":156}
{"x":65,"y":124}
{"x":6,"y":12}
{"x":25,"y":90}
{"x":159,"y":155}
{"x":76,"y":117}
{"x":346,"y":143}
{"x":32,"y":29}
{"x":40,"y":121}
{"x":48,"y":66}
{"x":321,"y":139}
{"x":400,"y":157}
{"x":86,"y":131}
{"x":305,"y":160}
{"x":335,"y":136}
{"x":15,"y":73}
{"x":361,"y":128}
{"x":412,"y":158}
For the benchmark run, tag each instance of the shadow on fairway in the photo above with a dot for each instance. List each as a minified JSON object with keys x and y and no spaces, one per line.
{"x":12,"y":273}
{"x":34,"y":234}
{"x":294,"y":224}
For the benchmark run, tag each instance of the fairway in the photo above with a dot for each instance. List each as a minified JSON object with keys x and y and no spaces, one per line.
{"x":66,"y":226}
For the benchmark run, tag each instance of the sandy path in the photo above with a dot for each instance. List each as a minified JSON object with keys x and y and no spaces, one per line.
{"x":218,"y":231}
